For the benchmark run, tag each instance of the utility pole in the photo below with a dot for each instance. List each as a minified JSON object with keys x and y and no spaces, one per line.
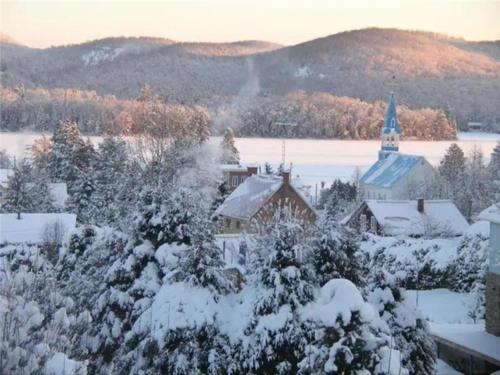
{"x":285,"y":125}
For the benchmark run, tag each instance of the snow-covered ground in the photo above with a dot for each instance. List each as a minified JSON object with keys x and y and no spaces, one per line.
{"x":442,"y":306}
{"x":314,"y":160}
{"x":30,"y":228}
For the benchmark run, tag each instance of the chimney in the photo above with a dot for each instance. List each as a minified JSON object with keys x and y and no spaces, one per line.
{"x":420,"y":205}
{"x":252,"y":170}
{"x":286,"y":177}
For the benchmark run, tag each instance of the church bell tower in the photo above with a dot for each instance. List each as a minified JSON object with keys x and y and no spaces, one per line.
{"x":391,"y":131}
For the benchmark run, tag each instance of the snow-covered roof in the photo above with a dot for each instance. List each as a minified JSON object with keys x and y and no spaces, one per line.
{"x":4,"y":176}
{"x":237,"y":167}
{"x":492,"y":214}
{"x":252,"y":194}
{"x":249,"y":196}
{"x":233,"y":168}
{"x":402,"y":217}
{"x":470,"y":338}
{"x":389,"y":170}
{"x":30,"y":228}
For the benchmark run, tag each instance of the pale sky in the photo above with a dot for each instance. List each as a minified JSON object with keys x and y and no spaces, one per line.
{"x":42,"y":23}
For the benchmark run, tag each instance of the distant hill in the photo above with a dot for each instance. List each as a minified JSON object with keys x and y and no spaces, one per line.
{"x":425,"y":69}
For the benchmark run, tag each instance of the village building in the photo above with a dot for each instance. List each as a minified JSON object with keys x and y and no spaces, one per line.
{"x":416,"y":218}
{"x":257,"y":201}
{"x":395,"y":175}
{"x":235,"y":174}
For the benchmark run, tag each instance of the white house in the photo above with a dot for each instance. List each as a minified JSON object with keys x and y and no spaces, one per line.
{"x":395,"y":175}
{"x":411,"y":218}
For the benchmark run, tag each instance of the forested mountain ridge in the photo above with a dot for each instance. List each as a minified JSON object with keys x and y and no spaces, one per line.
{"x":426,"y":70}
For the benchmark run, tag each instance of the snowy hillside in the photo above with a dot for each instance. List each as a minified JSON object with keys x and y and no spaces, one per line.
{"x":354,"y":64}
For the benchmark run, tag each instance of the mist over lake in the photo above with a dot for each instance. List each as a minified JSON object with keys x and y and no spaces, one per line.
{"x":313,"y":160}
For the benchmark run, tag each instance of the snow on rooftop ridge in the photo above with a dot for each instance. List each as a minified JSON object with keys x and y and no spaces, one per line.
{"x":30,"y":228}
{"x":491,"y":213}
{"x":387,"y":171}
{"x":403,"y":218}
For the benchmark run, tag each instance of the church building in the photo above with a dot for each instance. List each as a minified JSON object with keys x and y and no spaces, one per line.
{"x":395,"y":175}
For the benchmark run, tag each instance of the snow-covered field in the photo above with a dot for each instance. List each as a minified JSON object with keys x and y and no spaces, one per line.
{"x":442,"y":306}
{"x":313,"y":160}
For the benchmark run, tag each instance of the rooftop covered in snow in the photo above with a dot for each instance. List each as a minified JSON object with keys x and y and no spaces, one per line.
{"x":492,"y":214}
{"x":401,"y":217}
{"x":249,"y":196}
{"x":387,"y":171}
{"x":252,"y":194}
{"x":31,"y":227}
{"x":233,"y":168}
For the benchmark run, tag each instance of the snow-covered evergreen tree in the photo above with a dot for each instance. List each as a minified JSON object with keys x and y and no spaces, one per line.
{"x":230,"y":154}
{"x":467,"y":273}
{"x":346,"y":335}
{"x":201,"y":263}
{"x":82,"y":200}
{"x":110,"y":174}
{"x":278,"y":336}
{"x":409,"y":330}
{"x":37,"y":320}
{"x":42,"y":196}
{"x":452,"y":169}
{"x":336,"y":254}
{"x":18,"y":195}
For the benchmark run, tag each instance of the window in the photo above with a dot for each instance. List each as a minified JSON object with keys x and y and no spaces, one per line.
{"x":228,"y":223}
{"x":362,"y":223}
{"x":235,"y":181}
{"x":373,"y":224}
{"x":238,"y":225}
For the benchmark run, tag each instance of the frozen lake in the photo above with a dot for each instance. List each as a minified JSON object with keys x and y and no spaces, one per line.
{"x":313,"y":160}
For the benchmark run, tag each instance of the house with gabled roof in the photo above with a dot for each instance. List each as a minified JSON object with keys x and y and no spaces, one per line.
{"x":257,"y":201}
{"x":395,"y":175}
{"x":415,"y":218}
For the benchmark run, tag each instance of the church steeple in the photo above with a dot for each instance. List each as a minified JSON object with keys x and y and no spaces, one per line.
{"x":391,"y":131}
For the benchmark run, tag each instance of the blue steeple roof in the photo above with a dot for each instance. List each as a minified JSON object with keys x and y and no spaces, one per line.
{"x":391,"y":118}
